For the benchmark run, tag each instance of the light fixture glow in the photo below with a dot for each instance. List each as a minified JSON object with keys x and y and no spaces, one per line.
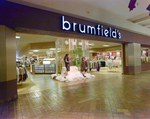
{"x":18,"y":37}
{"x":66,"y":42}
{"x":55,"y":49}
{"x":46,"y":62}
{"x":52,"y":49}
{"x":30,"y":52}
{"x":92,"y":44}
{"x":118,"y":53}
{"x":35,"y":50}
{"x":106,"y":45}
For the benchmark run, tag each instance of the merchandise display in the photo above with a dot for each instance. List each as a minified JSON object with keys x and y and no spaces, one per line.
{"x":41,"y":69}
{"x":21,"y":74}
{"x":38,"y":69}
{"x":145,"y":55}
{"x":106,"y":60}
{"x":73,"y":75}
{"x":95,"y":64}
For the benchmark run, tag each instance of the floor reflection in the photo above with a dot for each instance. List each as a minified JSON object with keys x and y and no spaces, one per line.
{"x":109,"y":95}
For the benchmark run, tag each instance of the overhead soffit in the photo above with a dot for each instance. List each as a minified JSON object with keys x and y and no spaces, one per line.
{"x":38,"y":42}
{"x":115,"y":12}
{"x":143,"y":20}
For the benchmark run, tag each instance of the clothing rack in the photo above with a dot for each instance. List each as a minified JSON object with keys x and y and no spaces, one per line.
{"x":21,"y":74}
{"x":95,"y":64}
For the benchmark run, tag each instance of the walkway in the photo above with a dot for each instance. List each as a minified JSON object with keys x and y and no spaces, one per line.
{"x":108,"y":96}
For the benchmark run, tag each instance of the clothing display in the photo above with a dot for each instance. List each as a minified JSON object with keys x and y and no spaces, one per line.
{"x":73,"y":75}
{"x":110,"y":63}
{"x":95,"y":64}
{"x":113,"y":63}
{"x":116,"y":63}
{"x":21,"y":74}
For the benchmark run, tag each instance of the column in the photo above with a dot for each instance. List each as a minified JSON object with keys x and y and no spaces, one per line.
{"x":56,"y":46}
{"x":8,"y":81}
{"x":132,"y":58}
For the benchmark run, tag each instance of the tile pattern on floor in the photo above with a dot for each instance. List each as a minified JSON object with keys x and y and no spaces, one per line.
{"x":108,"y":96}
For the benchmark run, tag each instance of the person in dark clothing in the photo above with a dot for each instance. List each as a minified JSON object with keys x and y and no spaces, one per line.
{"x":67,"y":64}
{"x":84,"y":66}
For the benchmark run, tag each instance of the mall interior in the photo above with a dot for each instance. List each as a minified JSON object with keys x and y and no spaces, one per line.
{"x":115,"y":42}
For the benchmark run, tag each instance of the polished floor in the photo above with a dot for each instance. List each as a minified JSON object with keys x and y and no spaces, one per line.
{"x":108,"y":96}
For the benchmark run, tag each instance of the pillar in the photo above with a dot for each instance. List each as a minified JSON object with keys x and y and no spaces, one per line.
{"x":8,"y":81}
{"x":56,"y":46}
{"x":132,"y":58}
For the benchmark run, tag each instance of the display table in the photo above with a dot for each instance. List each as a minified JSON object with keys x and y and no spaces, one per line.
{"x":43,"y":69}
{"x":73,"y":75}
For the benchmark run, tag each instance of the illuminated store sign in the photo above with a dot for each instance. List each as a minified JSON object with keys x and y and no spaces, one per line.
{"x":93,"y":30}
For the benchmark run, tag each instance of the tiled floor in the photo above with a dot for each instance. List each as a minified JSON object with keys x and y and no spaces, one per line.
{"x":108,"y":96}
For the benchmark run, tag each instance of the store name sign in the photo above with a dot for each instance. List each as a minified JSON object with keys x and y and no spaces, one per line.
{"x":87,"y":29}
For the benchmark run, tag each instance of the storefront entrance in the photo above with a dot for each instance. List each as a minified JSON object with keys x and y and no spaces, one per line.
{"x":44,"y":54}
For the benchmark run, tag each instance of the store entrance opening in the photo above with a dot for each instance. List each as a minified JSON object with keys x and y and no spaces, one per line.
{"x":42,"y":55}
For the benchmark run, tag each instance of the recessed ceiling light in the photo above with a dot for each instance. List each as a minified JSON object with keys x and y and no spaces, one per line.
{"x":52,"y":49}
{"x":92,"y":44}
{"x":35,"y":50}
{"x":30,"y":52}
{"x":18,"y":37}
{"x":106,"y":45}
{"x":55,"y":49}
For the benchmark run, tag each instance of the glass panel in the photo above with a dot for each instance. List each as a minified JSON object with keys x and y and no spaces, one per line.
{"x":50,"y":68}
{"x":39,"y":68}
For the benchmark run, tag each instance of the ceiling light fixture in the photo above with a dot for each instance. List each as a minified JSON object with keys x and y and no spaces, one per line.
{"x":55,"y":49}
{"x":17,"y":37}
{"x":106,"y":45}
{"x":30,"y":52}
{"x":52,"y":49}
{"x":92,"y":44}
{"x":35,"y":50}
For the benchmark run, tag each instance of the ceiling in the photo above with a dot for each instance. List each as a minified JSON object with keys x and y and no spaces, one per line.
{"x":26,"y":39}
{"x":114,"y":12}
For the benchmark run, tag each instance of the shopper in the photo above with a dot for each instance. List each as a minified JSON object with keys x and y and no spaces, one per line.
{"x":67,"y":64}
{"x":84,"y":66}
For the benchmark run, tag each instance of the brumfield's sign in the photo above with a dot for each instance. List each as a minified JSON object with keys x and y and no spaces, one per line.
{"x":93,"y":30}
